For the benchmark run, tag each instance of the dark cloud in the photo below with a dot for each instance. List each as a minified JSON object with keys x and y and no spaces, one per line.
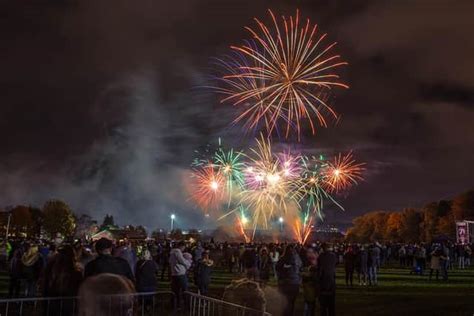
{"x":100,"y":104}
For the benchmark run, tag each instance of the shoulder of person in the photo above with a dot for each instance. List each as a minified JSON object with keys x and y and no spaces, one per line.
{"x":121,"y":260}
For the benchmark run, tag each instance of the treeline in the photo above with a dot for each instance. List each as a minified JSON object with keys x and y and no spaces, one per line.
{"x":434,"y":220}
{"x":54,"y":217}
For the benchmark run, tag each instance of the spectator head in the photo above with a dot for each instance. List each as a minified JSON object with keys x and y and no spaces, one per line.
{"x":106,"y":294}
{"x":181,"y":245}
{"x":146,"y":255}
{"x":104,"y":246}
{"x":326,"y":247}
{"x":289,"y":251}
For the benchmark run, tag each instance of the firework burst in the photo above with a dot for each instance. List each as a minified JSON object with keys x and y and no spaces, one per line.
{"x":342,"y":173}
{"x":266,"y":185}
{"x":230,"y":165}
{"x":284,"y":74}
{"x":311,"y":186}
{"x":269,"y":182}
{"x":208,"y":187}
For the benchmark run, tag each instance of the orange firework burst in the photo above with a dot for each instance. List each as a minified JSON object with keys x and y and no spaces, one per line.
{"x":342,"y":173}
{"x":209,"y":186}
{"x":283,"y":75}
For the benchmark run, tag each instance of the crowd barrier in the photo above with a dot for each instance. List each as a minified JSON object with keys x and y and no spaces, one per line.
{"x":139,"y":304}
{"x":206,"y":306}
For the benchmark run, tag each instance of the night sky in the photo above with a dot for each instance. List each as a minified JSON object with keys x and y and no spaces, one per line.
{"x":102,"y":105}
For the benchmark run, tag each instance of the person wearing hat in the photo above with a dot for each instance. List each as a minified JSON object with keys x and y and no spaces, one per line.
{"x":146,"y":271}
{"x":32,"y":268}
{"x":179,"y":267}
{"x":202,"y":272}
{"x":106,"y":263}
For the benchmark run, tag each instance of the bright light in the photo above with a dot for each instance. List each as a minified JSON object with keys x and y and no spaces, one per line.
{"x":249,"y":170}
{"x":258,"y":178}
{"x":173,"y":216}
{"x":287,"y":172}
{"x":280,"y":219}
{"x":245,"y":220}
{"x":273,"y":178}
{"x":337,"y":172}
{"x":312,"y":180}
{"x":227,"y":169}
{"x":214,"y":185}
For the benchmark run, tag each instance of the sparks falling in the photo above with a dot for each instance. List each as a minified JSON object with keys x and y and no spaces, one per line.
{"x":284,"y":75}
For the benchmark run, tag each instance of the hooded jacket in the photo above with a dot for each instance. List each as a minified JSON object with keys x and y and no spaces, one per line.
{"x":179,"y":265}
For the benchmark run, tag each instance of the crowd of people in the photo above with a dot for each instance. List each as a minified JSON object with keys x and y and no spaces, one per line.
{"x":73,"y":269}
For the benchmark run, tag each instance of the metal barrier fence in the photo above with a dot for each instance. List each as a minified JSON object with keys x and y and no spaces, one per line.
{"x":139,"y":304}
{"x":207,"y":306}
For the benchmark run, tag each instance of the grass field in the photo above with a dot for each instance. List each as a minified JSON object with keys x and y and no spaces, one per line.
{"x":398,"y":293}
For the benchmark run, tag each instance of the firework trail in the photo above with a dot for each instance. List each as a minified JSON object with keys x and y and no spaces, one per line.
{"x":283,"y":75}
{"x":242,"y":221}
{"x":302,"y":227}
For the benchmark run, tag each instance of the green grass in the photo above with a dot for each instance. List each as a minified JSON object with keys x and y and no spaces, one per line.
{"x":398,"y":293}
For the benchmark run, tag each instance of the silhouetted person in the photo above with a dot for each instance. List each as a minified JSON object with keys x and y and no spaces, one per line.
{"x":62,"y":278}
{"x":349,"y":263}
{"x":106,"y":263}
{"x":179,"y":266}
{"x":289,"y":278}
{"x":31,"y":269}
{"x":327,"y":281}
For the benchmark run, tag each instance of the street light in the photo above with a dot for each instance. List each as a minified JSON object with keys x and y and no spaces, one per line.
{"x":281,"y":223}
{"x":172,"y":221}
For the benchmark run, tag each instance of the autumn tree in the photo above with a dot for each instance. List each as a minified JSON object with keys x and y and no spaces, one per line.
{"x":379,"y":222}
{"x":447,"y":226}
{"x":463,"y":206}
{"x":392,"y":227}
{"x":410,"y":225}
{"x":362,"y":229}
{"x":58,"y":218}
